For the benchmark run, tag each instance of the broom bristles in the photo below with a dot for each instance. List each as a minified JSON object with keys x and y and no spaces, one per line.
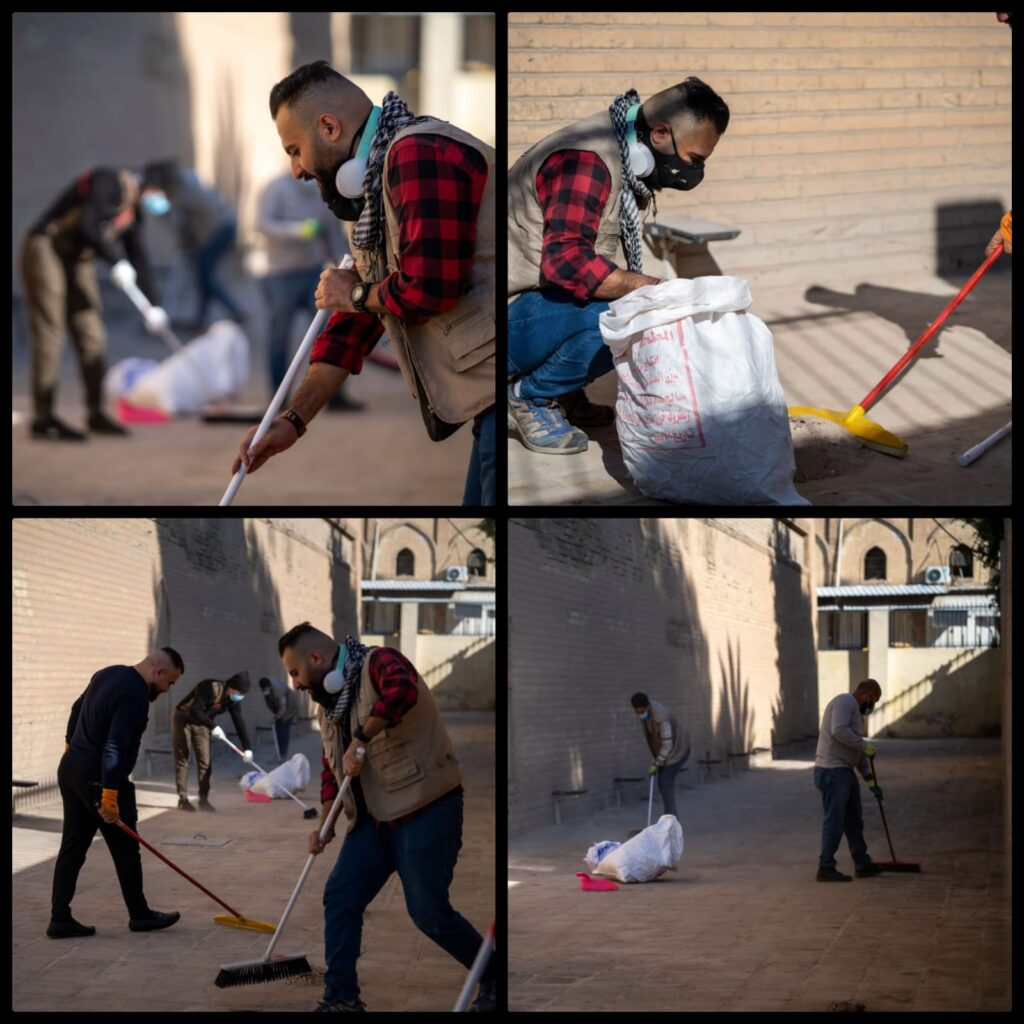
{"x":254,"y":972}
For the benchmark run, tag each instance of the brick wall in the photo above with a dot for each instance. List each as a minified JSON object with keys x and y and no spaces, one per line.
{"x":712,"y":617}
{"x":859,"y":143}
{"x":96,"y":592}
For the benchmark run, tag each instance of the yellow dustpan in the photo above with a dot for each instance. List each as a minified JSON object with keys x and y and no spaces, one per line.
{"x":867,"y":431}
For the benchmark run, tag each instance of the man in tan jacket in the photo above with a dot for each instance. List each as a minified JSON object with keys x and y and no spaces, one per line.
{"x":575,"y":201}
{"x":417,"y":198}
{"x":404,"y":808}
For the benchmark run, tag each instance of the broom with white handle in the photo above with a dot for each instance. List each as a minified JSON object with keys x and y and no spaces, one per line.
{"x":301,"y":355}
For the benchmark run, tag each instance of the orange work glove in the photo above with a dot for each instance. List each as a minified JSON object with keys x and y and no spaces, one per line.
{"x":108,"y":806}
{"x":1003,"y":235}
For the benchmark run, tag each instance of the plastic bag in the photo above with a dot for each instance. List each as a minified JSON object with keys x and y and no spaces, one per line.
{"x":700,"y":413}
{"x":211,"y":367}
{"x":285,"y":778}
{"x":646,"y":856}
{"x":598,"y":851}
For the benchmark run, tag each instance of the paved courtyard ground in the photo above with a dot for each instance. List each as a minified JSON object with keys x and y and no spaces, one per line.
{"x":834,"y":340}
{"x":173,"y":970}
{"x":744,"y":926}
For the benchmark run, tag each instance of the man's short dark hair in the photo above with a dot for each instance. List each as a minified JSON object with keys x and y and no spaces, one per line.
{"x":175,"y":658}
{"x":639,"y":700}
{"x":299,"y":82}
{"x":691,"y":96}
{"x":296,"y":633}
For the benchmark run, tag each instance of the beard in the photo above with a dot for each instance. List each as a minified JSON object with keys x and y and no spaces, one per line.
{"x":153,"y":692}
{"x":320,"y":694}
{"x":326,"y":172}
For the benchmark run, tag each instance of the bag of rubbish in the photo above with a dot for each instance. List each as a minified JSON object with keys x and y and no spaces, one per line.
{"x":646,"y":856}
{"x":700,"y":413}
{"x":212,"y":366}
{"x":286,"y":778}
{"x":599,"y":850}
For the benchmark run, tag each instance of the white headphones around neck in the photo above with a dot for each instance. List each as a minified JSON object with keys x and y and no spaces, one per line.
{"x":349,"y":180}
{"x":335,"y":679}
{"x":641,"y":159}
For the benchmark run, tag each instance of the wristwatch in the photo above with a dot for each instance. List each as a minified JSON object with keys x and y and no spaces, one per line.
{"x":295,"y":420}
{"x":360,"y":293}
{"x":360,"y":735}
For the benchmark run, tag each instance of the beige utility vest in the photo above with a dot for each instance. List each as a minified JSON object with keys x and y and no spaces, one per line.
{"x":448,"y":362}
{"x":526,"y":219}
{"x":407,"y":767}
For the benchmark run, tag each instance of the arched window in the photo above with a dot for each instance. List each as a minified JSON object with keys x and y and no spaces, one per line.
{"x":477,"y":563}
{"x":405,"y":564}
{"x":874,"y":564}
{"x":961,"y":561}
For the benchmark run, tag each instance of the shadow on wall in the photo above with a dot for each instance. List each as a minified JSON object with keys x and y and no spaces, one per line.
{"x":959,"y":698}
{"x":735,"y":716}
{"x":344,"y":616}
{"x":465,"y":681}
{"x":609,"y":610}
{"x":795,"y":707}
{"x":218,"y":606}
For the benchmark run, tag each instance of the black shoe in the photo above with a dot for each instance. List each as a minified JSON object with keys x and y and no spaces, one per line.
{"x":832,"y":876}
{"x":484,"y":998}
{"x":68,"y":929}
{"x":53,"y":429}
{"x":868,"y":870}
{"x":184,"y":805}
{"x":205,"y":805}
{"x":339,"y":1005}
{"x":101,"y":423}
{"x":156,"y":920}
{"x":342,"y":403}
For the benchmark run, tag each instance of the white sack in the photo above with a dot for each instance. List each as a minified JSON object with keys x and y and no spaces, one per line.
{"x":599,"y":851}
{"x":648,"y":855}
{"x":213,"y":366}
{"x":700,"y":412}
{"x":285,"y":778}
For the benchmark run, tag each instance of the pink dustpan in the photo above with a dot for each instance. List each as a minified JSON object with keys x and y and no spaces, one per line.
{"x":594,"y":884}
{"x":257,"y":798}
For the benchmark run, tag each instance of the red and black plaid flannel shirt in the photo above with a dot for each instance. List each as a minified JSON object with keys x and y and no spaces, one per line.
{"x":435,"y":185}
{"x":573,"y":188}
{"x":394,"y":680}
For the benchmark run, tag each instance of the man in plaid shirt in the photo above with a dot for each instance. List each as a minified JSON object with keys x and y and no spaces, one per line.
{"x":436,"y":192}
{"x":380,"y":725}
{"x":565,"y":254}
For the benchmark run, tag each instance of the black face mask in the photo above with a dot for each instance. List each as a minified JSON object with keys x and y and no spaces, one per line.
{"x":670,"y":171}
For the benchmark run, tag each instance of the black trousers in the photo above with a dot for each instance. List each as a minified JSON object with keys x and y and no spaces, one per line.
{"x":181,"y":732}
{"x":81,"y":792}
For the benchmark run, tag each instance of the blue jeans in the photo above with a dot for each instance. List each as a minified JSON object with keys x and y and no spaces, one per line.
{"x":283,"y":731}
{"x":667,"y":784}
{"x":423,"y":852}
{"x":284,"y":294}
{"x":840,"y":796}
{"x":480,"y":478}
{"x":206,"y":261}
{"x":554,"y":343}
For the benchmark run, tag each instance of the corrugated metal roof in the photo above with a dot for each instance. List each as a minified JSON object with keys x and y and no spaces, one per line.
{"x":393,"y":586}
{"x":892,"y":590}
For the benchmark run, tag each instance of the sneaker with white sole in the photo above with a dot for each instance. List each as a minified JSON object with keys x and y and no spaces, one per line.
{"x":542,"y":426}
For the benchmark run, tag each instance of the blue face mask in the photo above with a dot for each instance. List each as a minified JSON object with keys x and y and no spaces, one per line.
{"x":156,"y":203}
{"x":238,"y":696}
{"x":644,"y":716}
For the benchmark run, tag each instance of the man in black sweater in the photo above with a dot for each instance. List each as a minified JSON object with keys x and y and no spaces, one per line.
{"x":194,"y":719}
{"x":102,"y":743}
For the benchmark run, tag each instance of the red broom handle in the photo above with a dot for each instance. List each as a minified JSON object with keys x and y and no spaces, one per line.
{"x":151,"y":849}
{"x":943,"y":316}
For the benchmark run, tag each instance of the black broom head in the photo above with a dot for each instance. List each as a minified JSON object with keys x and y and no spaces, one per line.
{"x":254,"y":972}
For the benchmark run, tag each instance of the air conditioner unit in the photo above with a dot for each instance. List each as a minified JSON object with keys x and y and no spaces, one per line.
{"x":456,"y":574}
{"x":936,"y":574}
